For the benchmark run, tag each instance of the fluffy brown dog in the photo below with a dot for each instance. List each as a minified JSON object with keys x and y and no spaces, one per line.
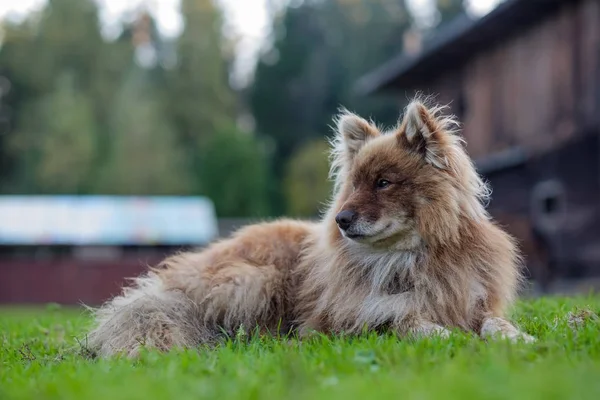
{"x":406,"y":245}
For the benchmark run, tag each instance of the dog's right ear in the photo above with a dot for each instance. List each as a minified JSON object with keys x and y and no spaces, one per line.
{"x":354,"y":132}
{"x":425,"y":131}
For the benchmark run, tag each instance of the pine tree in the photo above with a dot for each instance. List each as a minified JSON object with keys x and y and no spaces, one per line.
{"x":200,"y":99}
{"x":58,"y":142}
{"x":145,"y":156}
{"x":49,"y":57}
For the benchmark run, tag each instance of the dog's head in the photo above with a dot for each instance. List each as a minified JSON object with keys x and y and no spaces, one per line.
{"x":404,"y":187}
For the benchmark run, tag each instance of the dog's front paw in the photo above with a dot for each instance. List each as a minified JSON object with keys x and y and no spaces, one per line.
{"x":499,"y":328}
{"x":429,"y":329}
{"x":526,"y":338}
{"x":515,"y":337}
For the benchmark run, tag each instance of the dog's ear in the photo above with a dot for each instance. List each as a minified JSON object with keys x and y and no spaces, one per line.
{"x":354,"y":132}
{"x":424,"y":131}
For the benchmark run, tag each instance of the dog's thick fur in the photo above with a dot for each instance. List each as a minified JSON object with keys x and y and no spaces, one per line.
{"x":419,"y":256}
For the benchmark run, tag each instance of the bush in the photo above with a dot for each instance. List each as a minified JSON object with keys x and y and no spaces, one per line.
{"x":306,"y":184}
{"x":232,"y":171}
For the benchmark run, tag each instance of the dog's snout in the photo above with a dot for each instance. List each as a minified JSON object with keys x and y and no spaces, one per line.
{"x":345,"y":218}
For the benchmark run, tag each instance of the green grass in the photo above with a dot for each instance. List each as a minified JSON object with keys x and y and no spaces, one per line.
{"x":39,"y":359}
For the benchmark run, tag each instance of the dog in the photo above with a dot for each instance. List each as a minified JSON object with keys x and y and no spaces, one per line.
{"x":405,"y":245}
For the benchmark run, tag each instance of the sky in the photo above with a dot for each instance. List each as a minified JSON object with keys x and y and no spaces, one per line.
{"x":245,"y":19}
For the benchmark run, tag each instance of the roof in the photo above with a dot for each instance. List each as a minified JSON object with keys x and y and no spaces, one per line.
{"x":502,"y":160}
{"x":458,"y":41}
{"x":106,"y":220}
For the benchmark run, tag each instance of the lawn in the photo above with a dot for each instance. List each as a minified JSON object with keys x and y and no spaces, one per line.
{"x":40,"y":359}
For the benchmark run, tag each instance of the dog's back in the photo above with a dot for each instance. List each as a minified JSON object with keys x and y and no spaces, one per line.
{"x":194,"y":298}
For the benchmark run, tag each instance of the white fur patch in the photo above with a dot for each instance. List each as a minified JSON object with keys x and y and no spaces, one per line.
{"x":382,"y":267}
{"x":377,"y":309}
{"x":500,"y":328}
{"x":429,"y":329}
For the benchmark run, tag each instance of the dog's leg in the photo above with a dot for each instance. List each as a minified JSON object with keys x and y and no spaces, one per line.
{"x":496,"y":327}
{"x":146,"y":315}
{"x":401,"y":314}
{"x":428,"y":329}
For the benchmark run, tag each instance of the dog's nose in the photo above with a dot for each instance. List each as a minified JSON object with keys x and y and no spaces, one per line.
{"x":345,"y":218}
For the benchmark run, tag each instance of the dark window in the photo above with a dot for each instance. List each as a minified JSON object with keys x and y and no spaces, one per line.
{"x":550,"y":205}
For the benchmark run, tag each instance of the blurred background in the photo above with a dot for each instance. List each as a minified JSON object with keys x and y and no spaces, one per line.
{"x":132,"y":129}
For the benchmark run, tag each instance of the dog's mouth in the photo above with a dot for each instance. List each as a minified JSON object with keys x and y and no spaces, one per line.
{"x":367,"y":237}
{"x":354,"y":236}
{"x":390,"y":236}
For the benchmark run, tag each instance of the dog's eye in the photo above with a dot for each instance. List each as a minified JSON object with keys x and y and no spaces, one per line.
{"x":382,"y":183}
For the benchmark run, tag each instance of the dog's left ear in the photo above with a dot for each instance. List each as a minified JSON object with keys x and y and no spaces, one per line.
{"x":354,"y":132}
{"x":425,"y":132}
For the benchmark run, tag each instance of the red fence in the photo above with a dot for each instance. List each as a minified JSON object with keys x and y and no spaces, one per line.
{"x":72,"y":279}
{"x":67,"y":281}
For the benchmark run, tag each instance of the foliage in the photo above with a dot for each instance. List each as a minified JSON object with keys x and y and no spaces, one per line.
{"x":200,"y":100}
{"x":124,"y":116}
{"x":233,"y":168}
{"x":307,"y":187}
{"x":40,"y":359}
{"x":140,"y":114}
{"x":59,"y":145}
{"x":49,"y":57}
{"x":144,"y":156}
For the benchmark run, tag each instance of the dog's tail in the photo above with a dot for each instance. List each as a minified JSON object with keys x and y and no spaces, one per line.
{"x":146,"y":315}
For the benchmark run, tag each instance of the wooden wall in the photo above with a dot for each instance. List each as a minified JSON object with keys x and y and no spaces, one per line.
{"x":539,"y":90}
{"x":574,"y":240}
{"x":535,"y":90}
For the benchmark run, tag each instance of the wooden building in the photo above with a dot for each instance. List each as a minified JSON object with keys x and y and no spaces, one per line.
{"x":525,"y":82}
{"x":82,"y":249}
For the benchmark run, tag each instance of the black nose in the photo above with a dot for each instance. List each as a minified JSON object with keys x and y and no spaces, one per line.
{"x":345,"y":218}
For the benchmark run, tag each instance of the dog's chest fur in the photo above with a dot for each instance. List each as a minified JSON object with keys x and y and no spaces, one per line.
{"x":379,"y":289}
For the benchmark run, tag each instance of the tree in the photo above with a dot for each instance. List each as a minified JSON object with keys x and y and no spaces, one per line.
{"x":51,"y":56}
{"x":84,"y":117}
{"x":145,"y":156}
{"x":58,"y":141}
{"x":286,"y":95}
{"x":306,"y":184}
{"x":233,"y":172}
{"x":200,"y":100}
{"x":15,"y":89}
{"x":67,"y":38}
